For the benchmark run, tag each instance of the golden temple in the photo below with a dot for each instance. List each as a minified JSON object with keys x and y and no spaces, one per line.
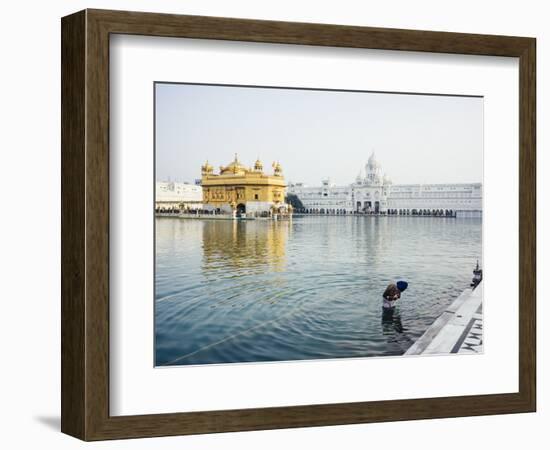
{"x":242,"y":190}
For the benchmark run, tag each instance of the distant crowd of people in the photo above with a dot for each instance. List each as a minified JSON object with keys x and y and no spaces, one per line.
{"x":204,"y":212}
{"x":326,"y":211}
{"x":174,"y":210}
{"x":389,"y":212}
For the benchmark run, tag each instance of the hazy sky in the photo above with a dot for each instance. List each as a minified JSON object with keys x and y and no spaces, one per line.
{"x":318,"y":134}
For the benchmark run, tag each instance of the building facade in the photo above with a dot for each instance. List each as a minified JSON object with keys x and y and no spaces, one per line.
{"x":171,"y":196}
{"x":242,"y":190}
{"x":458,"y":197}
{"x":369,"y":193}
{"x":372,"y":192}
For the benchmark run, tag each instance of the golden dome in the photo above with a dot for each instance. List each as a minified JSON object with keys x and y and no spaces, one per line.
{"x":277,"y":168}
{"x":258,"y":166}
{"x":207,"y":168}
{"x":233,"y":167}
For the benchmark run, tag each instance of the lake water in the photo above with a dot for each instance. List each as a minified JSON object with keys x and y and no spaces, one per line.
{"x":309,"y":288}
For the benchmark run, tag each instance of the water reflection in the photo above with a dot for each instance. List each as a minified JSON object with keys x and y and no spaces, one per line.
{"x":391,"y":321}
{"x":240,"y":247}
{"x":394,"y":330}
{"x":309,"y":288}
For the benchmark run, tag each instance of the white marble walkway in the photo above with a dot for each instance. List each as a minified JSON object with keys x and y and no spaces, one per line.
{"x":459,"y":329}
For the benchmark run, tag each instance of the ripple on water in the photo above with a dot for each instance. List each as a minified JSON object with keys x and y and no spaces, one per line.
{"x":307,"y":289}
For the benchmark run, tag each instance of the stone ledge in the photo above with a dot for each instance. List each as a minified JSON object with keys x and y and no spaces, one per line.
{"x":448,"y":331}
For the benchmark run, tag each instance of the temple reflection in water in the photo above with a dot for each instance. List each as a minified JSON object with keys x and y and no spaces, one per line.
{"x":229,"y":247}
{"x":306,"y":288}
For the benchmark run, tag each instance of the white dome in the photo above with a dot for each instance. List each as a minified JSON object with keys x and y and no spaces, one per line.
{"x":373,"y":164}
{"x":372,"y":160}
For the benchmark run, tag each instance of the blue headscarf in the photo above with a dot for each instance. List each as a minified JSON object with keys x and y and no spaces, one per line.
{"x":402,"y":285}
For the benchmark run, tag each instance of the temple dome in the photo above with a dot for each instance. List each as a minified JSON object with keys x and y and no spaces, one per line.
{"x":258,"y":166}
{"x":233,"y":167}
{"x":277,"y":168}
{"x":207,"y":168}
{"x":373,"y":163}
{"x":372,"y":160}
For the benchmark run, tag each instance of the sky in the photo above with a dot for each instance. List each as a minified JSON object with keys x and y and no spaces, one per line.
{"x":317,"y":134}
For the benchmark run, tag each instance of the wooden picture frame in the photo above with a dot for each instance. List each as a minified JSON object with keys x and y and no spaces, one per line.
{"x":85,"y":224}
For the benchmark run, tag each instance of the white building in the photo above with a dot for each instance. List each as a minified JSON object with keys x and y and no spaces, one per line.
{"x":374,"y":193}
{"x":459,"y":197}
{"x":324,"y":197}
{"x":171,"y":195}
{"x":370,"y":193}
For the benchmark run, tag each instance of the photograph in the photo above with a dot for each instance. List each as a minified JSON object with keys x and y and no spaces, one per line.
{"x":300,"y":224}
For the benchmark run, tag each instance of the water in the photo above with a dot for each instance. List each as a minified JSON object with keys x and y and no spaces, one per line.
{"x":310,"y":288}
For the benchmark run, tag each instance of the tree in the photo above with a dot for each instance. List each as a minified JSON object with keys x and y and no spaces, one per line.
{"x":294,"y":201}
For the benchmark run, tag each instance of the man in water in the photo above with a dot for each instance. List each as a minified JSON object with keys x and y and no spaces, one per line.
{"x":392,"y":294}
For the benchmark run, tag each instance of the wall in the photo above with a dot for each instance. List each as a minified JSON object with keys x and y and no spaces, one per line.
{"x":30,"y":242}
